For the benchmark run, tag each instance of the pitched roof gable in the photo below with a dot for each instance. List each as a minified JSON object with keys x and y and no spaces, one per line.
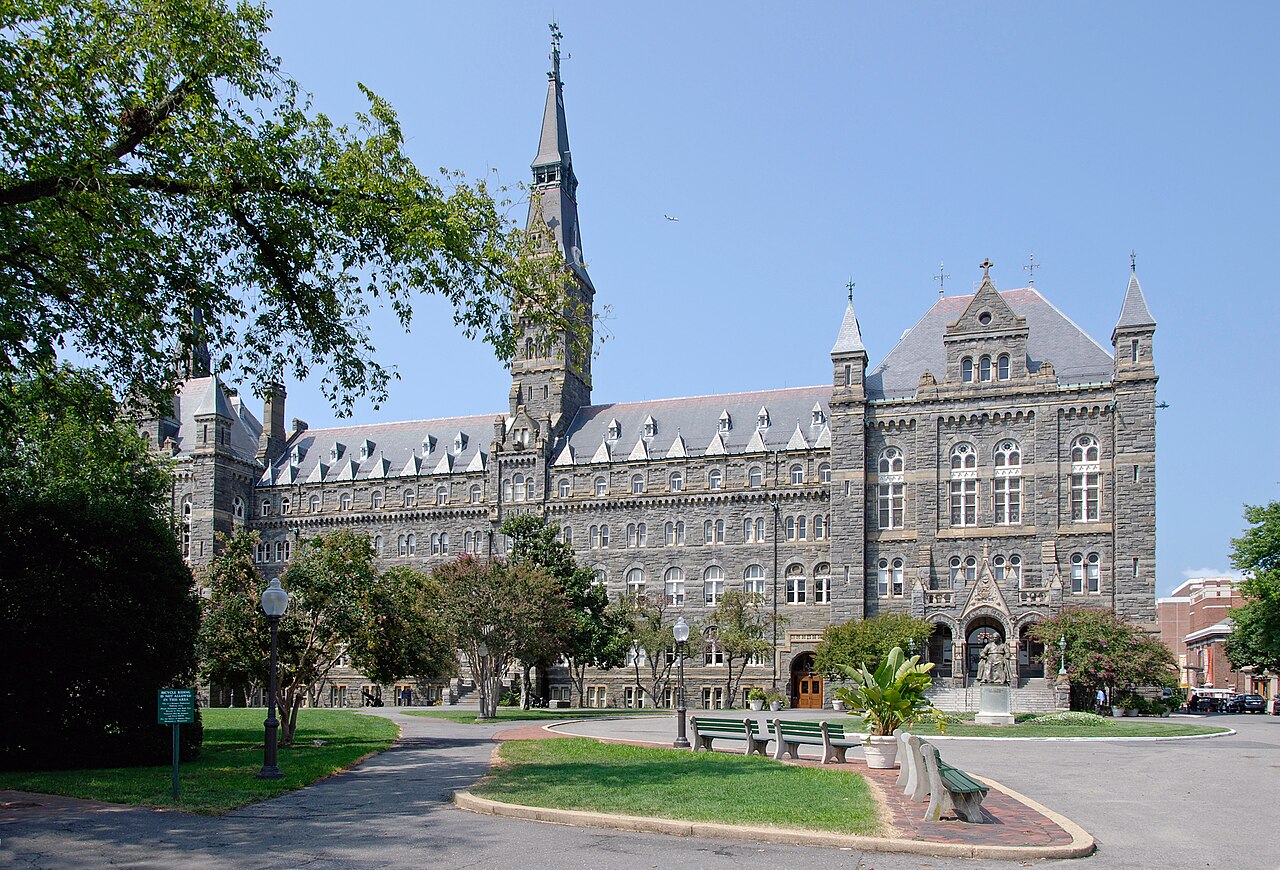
{"x":1134,"y":312}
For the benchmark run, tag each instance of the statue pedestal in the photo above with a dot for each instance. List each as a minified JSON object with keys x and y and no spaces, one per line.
{"x":993,"y":706}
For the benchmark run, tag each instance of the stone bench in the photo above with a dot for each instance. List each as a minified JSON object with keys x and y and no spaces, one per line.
{"x":705,"y":730}
{"x":830,"y":736}
{"x":950,"y":785}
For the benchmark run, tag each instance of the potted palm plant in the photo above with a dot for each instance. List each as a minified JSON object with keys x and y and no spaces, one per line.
{"x":888,"y":698}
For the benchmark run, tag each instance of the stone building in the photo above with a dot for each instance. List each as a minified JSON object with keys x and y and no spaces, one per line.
{"x":997,"y":465}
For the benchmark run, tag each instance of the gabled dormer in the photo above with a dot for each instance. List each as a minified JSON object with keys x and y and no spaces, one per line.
{"x":987,"y":343}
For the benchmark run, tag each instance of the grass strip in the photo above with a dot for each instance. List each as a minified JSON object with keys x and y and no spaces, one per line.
{"x":224,"y":776}
{"x":581,"y":774}
{"x":513,"y":714}
{"x":1109,"y":728}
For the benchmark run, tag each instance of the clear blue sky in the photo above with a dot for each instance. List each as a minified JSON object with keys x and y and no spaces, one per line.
{"x":800,"y":149}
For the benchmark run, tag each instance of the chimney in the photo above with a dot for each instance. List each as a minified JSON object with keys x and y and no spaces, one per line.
{"x":271,"y":442}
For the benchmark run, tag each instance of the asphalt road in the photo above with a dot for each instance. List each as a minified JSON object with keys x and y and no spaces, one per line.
{"x":1170,"y":804}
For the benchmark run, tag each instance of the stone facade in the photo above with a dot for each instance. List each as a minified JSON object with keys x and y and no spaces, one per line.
{"x":998,"y":465}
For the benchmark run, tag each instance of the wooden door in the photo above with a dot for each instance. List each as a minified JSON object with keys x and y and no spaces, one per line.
{"x":808,"y":691}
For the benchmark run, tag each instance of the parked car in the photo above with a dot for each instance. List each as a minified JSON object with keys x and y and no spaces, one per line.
{"x":1275,"y":706}
{"x":1253,"y":704}
{"x":1234,"y":704}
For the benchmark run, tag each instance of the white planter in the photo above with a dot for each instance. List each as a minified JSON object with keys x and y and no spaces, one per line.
{"x":775,"y":706}
{"x":757,"y":706}
{"x":838,"y":706}
{"x":880,"y":752}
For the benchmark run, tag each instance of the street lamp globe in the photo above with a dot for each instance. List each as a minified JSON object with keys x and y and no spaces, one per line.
{"x":275,"y":601}
{"x":680,"y":630}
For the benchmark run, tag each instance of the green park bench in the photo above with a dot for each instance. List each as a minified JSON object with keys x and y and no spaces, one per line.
{"x":951,"y":785}
{"x":831,"y":736}
{"x":707,"y":728}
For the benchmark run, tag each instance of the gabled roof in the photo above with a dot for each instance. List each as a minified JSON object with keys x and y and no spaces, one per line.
{"x":199,"y":397}
{"x":691,"y":426}
{"x":1134,"y":311}
{"x":1052,"y":336}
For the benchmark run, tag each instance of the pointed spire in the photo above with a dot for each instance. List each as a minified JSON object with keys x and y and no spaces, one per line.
{"x":553,"y":202}
{"x":850,"y":338}
{"x":1134,"y":313}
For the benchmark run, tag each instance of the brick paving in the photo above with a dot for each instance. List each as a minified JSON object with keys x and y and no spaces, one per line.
{"x":1009,"y":822}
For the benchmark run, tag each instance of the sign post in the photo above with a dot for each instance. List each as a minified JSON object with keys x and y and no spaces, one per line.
{"x":175,"y":707}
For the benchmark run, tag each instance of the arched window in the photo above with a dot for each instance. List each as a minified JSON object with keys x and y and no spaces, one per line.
{"x":669,"y":533}
{"x":1086,"y":573}
{"x":517,"y":487}
{"x":604,"y":536}
{"x":410,"y":498}
{"x":412,"y":543}
{"x":475,"y":493}
{"x":1086,"y":480}
{"x":600,"y":486}
{"x":755,"y":476}
{"x":266,"y":508}
{"x":313,"y":504}
{"x":719,"y":532}
{"x":1007,"y":495}
{"x":435,"y":544}
{"x":1002,"y":367}
{"x":819,"y":530}
{"x":673,"y":581}
{"x":790,"y":526}
{"x":562,"y":487}
{"x":377,"y":545}
{"x":984,"y":369}
{"x":1014,"y":570}
{"x":715,"y":478}
{"x":713,"y":584}
{"x":237,"y":509}
{"x":822,"y":584}
{"x":677,"y":481}
{"x":375,"y":499}
{"x":637,"y":484}
{"x":896,"y":572}
{"x":753,"y":580}
{"x":970,"y":569}
{"x":600,"y":578}
{"x":594,"y":535}
{"x":882,"y":578}
{"x":635,"y":581}
{"x":344,"y":502}
{"x":529,"y":491}
{"x":966,"y":370}
{"x":802,"y":528}
{"x":964,"y":485}
{"x":280,"y":556}
{"x":955,"y":577}
{"x":824,"y":472}
{"x":998,"y":565}
{"x":891,"y":489}
{"x":285,"y":505}
{"x":797,"y":474}
{"x":402,"y":546}
{"x":797,"y":586}
{"x":444,"y":543}
{"x":186,"y":526}
{"x":679,"y":533}
{"x":467,"y":540}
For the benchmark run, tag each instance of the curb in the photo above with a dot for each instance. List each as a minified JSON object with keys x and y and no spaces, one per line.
{"x":1081,"y":845}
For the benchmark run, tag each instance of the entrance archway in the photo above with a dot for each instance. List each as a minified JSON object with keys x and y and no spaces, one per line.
{"x":806,"y":685}
{"x":982,"y":631}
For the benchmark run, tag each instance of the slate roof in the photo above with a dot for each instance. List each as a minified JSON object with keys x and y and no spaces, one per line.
{"x":422,"y":446}
{"x":1052,"y":336}
{"x":1134,"y":312}
{"x":197,"y":397}
{"x":850,"y":338}
{"x":695,"y":421}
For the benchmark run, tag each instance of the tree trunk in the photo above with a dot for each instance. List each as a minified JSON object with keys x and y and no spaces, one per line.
{"x":525,"y":693}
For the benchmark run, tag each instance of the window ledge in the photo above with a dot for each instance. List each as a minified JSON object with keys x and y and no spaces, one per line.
{"x":893,"y":535}
{"x":986,"y":532}
{"x":1098,"y":528}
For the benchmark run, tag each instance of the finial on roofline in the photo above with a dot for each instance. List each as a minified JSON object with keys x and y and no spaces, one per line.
{"x":986,"y":265}
{"x":556,"y":36}
{"x":1133,"y":261}
{"x":1031,"y":267}
{"x":941,"y":278}
{"x":850,"y":288}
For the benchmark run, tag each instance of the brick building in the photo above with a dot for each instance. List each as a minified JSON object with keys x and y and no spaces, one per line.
{"x":1195,"y":623}
{"x":997,"y":465}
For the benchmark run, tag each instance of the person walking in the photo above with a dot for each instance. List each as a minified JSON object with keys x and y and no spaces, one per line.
{"x":1102,"y":701}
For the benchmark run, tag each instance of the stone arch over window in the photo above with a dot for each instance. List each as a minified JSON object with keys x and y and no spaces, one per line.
{"x":313,"y":504}
{"x":1084,"y":449}
{"x":963,"y":456}
{"x":562,"y":487}
{"x":475,"y":493}
{"x":966,"y":370}
{"x":517,"y":485}
{"x":375,"y":499}
{"x":601,"y":487}
{"x":797,"y":474}
{"x":984,"y":368}
{"x":677,"y":481}
{"x":755,"y":476}
{"x":637,"y":484}
{"x":715,"y":479}
{"x":753,"y":580}
{"x":344,"y":502}
{"x":824,"y":472}
{"x":635,"y":581}
{"x":1002,"y":367}
{"x":822,"y":583}
{"x":712,"y":584}
{"x":797,"y":585}
{"x":890,"y":461}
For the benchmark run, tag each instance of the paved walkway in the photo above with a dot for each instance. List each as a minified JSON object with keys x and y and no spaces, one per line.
{"x":1179,"y":805}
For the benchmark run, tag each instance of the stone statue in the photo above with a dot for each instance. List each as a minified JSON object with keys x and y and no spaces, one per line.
{"x":993,"y":665}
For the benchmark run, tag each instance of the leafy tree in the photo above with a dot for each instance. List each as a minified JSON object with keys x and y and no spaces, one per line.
{"x":1103,"y":651}
{"x":596,"y":633}
{"x":98,"y":610}
{"x":157,"y":161}
{"x":650,"y":643}
{"x":1255,"y":641}
{"x":234,"y":635}
{"x":740,"y":623}
{"x":499,"y":614}
{"x":400,"y":630}
{"x":867,"y":641}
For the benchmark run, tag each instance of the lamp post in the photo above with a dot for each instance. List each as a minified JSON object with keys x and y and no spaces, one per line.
{"x":274,"y":603}
{"x":776,"y":507}
{"x":681,"y":633}
{"x":1062,"y":648}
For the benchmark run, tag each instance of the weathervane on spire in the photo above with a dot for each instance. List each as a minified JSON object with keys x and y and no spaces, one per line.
{"x":556,"y":35}
{"x":1133,"y":261}
{"x":850,"y":287}
{"x":1031,"y":267}
{"x":941,"y":278}
{"x":986,"y":265}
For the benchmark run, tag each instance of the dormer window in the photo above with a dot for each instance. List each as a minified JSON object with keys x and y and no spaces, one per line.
{"x":428,"y":444}
{"x":650,"y":427}
{"x":459,"y":442}
{"x":615,"y":430}
{"x":819,"y":416}
{"x":762,"y":419}
{"x":297,"y":454}
{"x":366,"y":450}
{"x":335,"y":451}
{"x":726,"y":422}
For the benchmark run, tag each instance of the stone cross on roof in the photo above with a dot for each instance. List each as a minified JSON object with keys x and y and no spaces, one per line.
{"x":986,"y":268}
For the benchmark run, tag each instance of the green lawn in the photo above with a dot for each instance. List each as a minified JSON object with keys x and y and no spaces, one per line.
{"x":515,"y":714}
{"x":1030,"y":728}
{"x":223,"y":777}
{"x":582,"y":774}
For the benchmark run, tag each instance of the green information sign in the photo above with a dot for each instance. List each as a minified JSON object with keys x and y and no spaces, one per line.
{"x":176,"y":706}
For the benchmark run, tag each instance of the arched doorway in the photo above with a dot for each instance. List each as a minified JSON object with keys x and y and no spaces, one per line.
{"x":982,"y":631}
{"x":1030,"y":654}
{"x":806,"y":685}
{"x":941,"y":646}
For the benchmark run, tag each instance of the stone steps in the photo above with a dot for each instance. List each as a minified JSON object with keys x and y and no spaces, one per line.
{"x":1034,"y":696}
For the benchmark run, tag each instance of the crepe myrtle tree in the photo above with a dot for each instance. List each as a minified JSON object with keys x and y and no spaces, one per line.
{"x":165,"y":185}
{"x":1103,"y":650}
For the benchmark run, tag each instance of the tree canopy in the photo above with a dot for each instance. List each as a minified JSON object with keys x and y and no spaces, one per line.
{"x":862,"y":642}
{"x":1103,"y":650}
{"x":155,"y":162}
{"x":1255,"y":640}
